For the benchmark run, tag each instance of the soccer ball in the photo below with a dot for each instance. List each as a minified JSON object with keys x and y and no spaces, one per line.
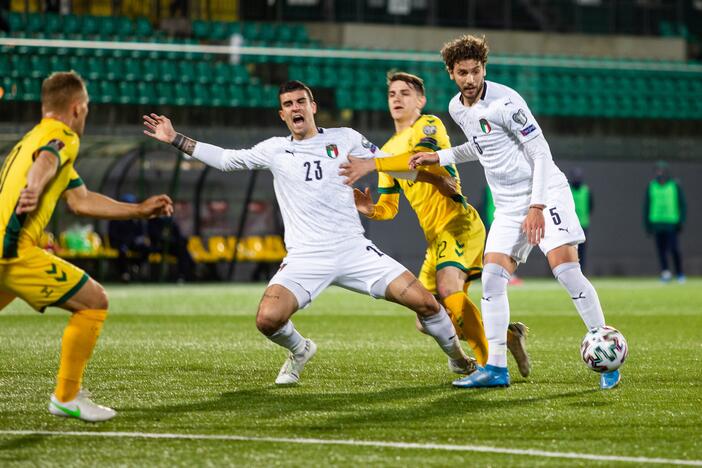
{"x":604,"y":349}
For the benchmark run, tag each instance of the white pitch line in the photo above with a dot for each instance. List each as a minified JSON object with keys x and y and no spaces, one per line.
{"x":366,"y":443}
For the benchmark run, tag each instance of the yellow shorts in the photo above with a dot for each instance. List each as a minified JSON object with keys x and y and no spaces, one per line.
{"x":39,"y":278}
{"x":460,"y":244}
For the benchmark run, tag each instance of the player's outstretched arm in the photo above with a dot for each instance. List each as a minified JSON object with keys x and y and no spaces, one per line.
{"x":423,"y":159}
{"x":42,"y":171}
{"x":446,"y":185}
{"x":159,"y":127}
{"x":397,"y":166}
{"x":83,"y":202}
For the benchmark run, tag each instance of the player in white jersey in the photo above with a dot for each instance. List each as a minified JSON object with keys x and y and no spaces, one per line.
{"x":323,"y":233}
{"x":533,"y":204}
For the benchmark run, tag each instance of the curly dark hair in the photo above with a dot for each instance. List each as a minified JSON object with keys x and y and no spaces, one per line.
{"x":466,"y":47}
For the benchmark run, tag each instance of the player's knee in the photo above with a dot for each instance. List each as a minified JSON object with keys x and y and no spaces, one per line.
{"x":98,"y":298}
{"x":267,"y":321}
{"x":427,"y":305}
{"x":494,"y":279}
{"x":445,"y":290}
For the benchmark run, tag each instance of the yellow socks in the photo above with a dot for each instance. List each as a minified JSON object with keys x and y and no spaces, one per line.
{"x":469,"y":324}
{"x":77,"y":345}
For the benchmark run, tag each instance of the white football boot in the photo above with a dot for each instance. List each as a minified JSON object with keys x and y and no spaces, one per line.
{"x":292,"y":368}
{"x":81,"y":407}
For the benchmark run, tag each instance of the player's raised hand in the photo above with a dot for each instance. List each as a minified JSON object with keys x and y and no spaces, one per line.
{"x":364,"y":201}
{"x":423,"y":159}
{"x":159,"y":127}
{"x":158,"y":205}
{"x":534,"y":224}
{"x":28,"y":201}
{"x":356,"y":168}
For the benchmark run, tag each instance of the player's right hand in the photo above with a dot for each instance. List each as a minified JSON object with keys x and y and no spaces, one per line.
{"x":28,"y":201}
{"x":158,"y":205}
{"x":423,"y":159}
{"x":364,"y":202}
{"x":159,"y":127}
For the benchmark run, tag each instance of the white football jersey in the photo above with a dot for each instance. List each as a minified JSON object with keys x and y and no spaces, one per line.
{"x":497,"y":126}
{"x":317,"y":207}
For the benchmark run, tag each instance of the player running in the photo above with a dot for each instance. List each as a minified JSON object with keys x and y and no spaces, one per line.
{"x":35,"y":174}
{"x":453,"y":229}
{"x":533,"y":202}
{"x":323,"y":233}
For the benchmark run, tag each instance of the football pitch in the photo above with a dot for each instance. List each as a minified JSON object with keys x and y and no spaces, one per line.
{"x":192,"y":381}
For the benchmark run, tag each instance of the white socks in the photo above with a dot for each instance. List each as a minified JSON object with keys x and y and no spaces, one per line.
{"x":440,"y":328}
{"x":582,"y":292}
{"x":289,"y":338}
{"x":495,"y":309}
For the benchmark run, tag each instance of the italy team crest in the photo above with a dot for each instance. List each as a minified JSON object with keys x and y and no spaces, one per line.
{"x":485,"y":126}
{"x":332,"y":151}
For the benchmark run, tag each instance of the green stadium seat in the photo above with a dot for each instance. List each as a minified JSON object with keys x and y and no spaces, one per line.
{"x":9,"y":85}
{"x":219,"y":31}
{"x":201,"y":29}
{"x":53,"y":23}
{"x":218,"y":96}
{"x":150,"y":70}
{"x":202,"y":71}
{"x":5,"y":66}
{"x":146,"y":93}
{"x":58,"y":63}
{"x":95,"y":68}
{"x":123,"y":27}
{"x":90,"y":25}
{"x":183,"y":94}
{"x":19,"y":66}
{"x":127,"y":92}
{"x":240,"y":74}
{"x":165,"y":94}
{"x":222,"y":72}
{"x":185,"y":71}
{"x":107,"y":92}
{"x":70,"y":24}
{"x":167,"y":70}
{"x":254,"y":96}
{"x":235,"y":95}
{"x":114,"y":68}
{"x":38,"y":66}
{"x":142,"y":27}
{"x":132,"y":69}
{"x":35,"y":23}
{"x":201,"y":95}
{"x":16,"y":22}
{"x":30,"y":89}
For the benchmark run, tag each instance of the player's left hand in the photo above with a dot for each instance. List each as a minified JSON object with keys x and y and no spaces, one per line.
{"x":28,"y":201}
{"x":534,"y":224}
{"x":158,"y":205}
{"x":356,"y":168}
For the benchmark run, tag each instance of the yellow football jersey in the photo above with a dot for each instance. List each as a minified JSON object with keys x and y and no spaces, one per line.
{"x":25,"y":230}
{"x":434,"y":210}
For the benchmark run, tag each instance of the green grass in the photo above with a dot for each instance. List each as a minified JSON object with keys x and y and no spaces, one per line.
{"x":188,"y":360}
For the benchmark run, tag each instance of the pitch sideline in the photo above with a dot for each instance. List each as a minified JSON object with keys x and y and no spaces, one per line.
{"x":363,"y":443}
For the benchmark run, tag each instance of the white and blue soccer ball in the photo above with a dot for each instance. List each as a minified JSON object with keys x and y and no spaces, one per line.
{"x":604,"y":349}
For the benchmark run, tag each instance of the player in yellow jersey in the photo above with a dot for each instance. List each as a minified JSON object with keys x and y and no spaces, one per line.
{"x":35,"y":174}
{"x":453,"y":229}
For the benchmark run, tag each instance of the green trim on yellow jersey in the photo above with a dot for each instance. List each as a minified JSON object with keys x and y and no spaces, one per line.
{"x":73,"y":290}
{"x":389,"y":190}
{"x":75,"y":183}
{"x":52,"y":150}
{"x":12,"y":232}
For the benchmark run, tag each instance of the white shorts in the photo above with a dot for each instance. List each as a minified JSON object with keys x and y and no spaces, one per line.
{"x":356,"y":264}
{"x":562,"y":228}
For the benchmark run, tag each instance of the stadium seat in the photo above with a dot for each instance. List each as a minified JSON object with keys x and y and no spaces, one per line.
{"x":143,"y":27}
{"x":127,"y":92}
{"x":146,"y":93}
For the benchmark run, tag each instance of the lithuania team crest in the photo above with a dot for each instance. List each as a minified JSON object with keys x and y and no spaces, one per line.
{"x":485,"y":126}
{"x":332,"y":151}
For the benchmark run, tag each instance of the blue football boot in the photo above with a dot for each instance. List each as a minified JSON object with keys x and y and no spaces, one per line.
{"x":488,"y":376}
{"x":610,"y":379}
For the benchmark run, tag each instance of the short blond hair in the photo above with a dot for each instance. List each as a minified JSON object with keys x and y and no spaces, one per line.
{"x":60,"y":89}
{"x":413,"y":81}
{"x":466,"y":47}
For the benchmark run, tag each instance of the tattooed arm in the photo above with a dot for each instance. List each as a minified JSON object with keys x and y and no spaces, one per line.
{"x":159,"y":127}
